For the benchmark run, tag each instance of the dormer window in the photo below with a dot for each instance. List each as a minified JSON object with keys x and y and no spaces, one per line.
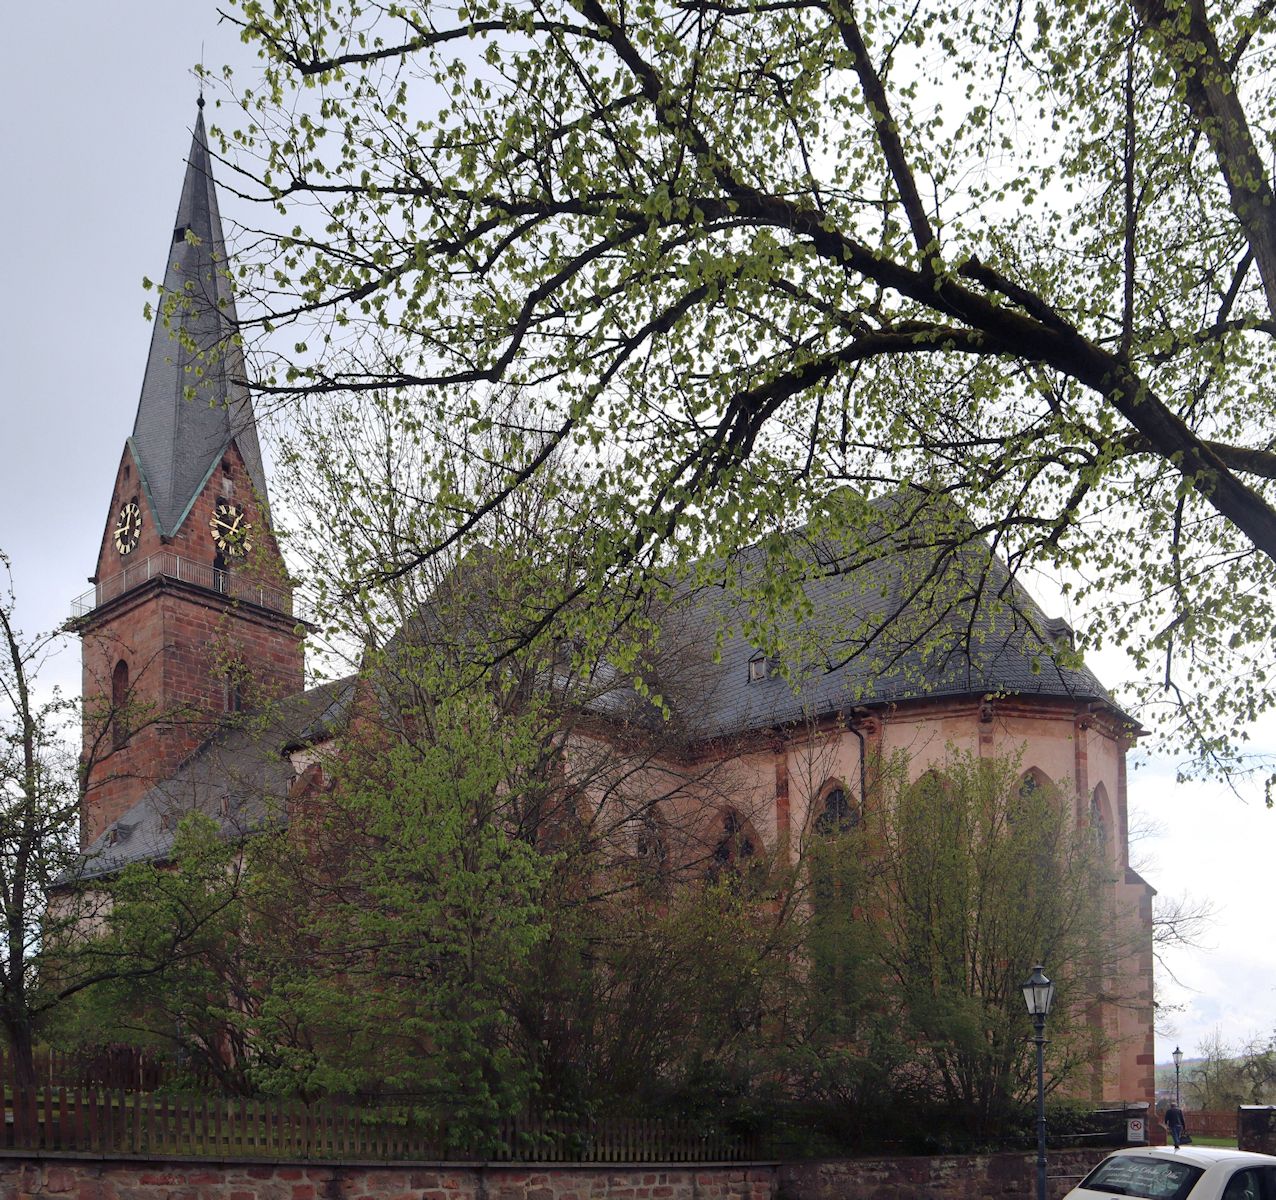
{"x":759,"y":667}
{"x":179,"y":234}
{"x":1060,"y":633}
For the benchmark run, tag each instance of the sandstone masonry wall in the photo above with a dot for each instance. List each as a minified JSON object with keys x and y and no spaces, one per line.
{"x":99,"y":1179}
{"x":988,"y":1177}
{"x":942,"y":1177}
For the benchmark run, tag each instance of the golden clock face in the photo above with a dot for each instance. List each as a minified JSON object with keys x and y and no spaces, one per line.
{"x":128,"y":527}
{"x":229,"y":527}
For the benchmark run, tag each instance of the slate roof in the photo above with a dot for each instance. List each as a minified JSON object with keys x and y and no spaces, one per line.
{"x":177,"y":441}
{"x":868,"y":639}
{"x":239,"y":777}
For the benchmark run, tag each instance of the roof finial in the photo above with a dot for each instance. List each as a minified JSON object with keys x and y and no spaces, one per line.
{"x":200,"y":74}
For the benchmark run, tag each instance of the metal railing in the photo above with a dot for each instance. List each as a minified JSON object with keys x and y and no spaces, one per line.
{"x":168,"y":565}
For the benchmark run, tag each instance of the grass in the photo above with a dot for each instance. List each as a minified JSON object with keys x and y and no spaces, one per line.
{"x":1222,"y":1142}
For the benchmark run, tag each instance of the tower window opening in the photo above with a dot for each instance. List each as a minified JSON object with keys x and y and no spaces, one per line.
{"x":233,"y":689}
{"x":119,"y":703}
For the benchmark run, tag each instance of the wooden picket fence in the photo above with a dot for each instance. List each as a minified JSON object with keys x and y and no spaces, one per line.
{"x":120,"y":1066}
{"x":1212,"y":1124}
{"x":114,"y":1121}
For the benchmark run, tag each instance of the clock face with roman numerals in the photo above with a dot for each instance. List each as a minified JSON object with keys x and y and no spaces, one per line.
{"x":229,"y":527}
{"x":128,"y":528}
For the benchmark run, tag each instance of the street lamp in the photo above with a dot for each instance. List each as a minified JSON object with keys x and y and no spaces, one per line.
{"x":1177,"y":1056}
{"x":1038,"y":995}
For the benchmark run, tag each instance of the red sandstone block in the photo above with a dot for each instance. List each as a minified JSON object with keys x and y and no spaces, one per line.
{"x":303,"y":1191}
{"x":60,"y":1179}
{"x":154,"y":1179}
{"x":288,"y":1173}
{"x":241,"y":1196}
{"x":659,"y":1193}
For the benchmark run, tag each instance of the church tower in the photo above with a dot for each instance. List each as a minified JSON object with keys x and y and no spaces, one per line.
{"x":190,"y":618}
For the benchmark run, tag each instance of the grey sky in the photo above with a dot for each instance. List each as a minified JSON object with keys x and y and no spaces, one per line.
{"x":96,"y":106}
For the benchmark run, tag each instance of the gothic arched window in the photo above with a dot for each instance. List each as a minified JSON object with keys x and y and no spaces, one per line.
{"x":1099,"y":820}
{"x":837,"y":813}
{"x":651,"y":850}
{"x":736,"y":852}
{"x":1033,"y":786}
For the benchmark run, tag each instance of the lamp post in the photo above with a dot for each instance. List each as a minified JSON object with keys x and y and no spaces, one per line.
{"x":1177,"y":1056}
{"x":1038,"y":995}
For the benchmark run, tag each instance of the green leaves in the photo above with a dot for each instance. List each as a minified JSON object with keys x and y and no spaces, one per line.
{"x":732,"y":264}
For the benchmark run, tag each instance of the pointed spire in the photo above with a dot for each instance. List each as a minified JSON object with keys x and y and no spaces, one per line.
{"x":179,"y":440}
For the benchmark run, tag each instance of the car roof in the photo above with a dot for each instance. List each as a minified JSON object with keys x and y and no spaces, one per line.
{"x":1198,"y":1156}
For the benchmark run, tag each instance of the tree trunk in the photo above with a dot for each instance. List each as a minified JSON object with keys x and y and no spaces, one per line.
{"x":21,"y":1049}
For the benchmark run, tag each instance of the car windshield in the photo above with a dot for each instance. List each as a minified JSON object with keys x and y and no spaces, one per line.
{"x":1149,"y":1178}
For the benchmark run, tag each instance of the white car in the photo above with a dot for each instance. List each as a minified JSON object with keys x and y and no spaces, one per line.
{"x":1163,"y":1173}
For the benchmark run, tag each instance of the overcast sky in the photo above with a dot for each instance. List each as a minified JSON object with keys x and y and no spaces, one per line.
{"x":96,"y":107}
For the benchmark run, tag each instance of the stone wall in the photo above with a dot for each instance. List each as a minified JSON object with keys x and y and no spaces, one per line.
{"x":987,"y":1177}
{"x":67,"y":1178}
{"x":969,"y":1177}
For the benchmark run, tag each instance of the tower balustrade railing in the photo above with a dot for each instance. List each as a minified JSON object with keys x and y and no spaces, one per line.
{"x":227,"y":582}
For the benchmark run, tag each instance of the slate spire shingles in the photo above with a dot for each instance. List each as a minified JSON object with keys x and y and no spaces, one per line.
{"x":179,"y":438}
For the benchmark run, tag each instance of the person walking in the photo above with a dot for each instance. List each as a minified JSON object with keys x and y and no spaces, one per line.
{"x":1176,"y":1123}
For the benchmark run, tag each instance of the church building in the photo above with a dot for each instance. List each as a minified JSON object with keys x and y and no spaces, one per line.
{"x":190,"y":621}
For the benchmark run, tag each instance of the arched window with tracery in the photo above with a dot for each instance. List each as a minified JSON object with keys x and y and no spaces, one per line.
{"x":119,"y":705}
{"x":1034,"y":784}
{"x":736,"y":851}
{"x":1100,"y":818}
{"x":650,"y":848}
{"x":837,"y":814}
{"x":834,"y":862}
